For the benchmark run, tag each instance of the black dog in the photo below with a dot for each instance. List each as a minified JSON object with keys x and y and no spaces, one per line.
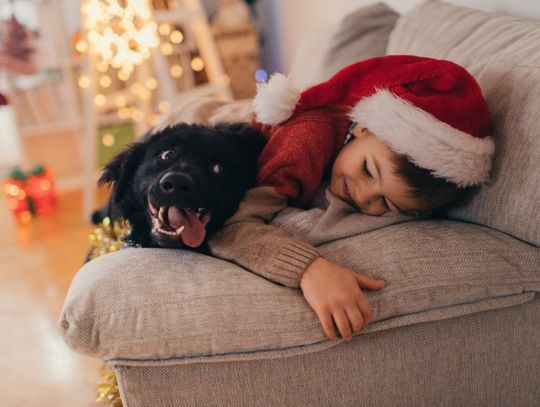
{"x":180,"y":185}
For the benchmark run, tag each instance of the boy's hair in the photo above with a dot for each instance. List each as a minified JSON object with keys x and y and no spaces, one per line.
{"x":427,"y":191}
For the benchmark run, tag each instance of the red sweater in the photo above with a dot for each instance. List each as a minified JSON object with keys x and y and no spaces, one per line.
{"x":301,"y":151}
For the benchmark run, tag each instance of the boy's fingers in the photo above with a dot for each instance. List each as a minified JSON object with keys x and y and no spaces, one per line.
{"x":368,"y":282}
{"x":355,"y":317}
{"x":327,"y":324}
{"x":364,"y":307}
{"x":342,"y":322}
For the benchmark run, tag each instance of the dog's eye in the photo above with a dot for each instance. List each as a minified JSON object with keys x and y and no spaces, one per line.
{"x":218,"y":169}
{"x":167,"y":155}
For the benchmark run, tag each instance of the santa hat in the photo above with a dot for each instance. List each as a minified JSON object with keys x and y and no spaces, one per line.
{"x":429,"y":110}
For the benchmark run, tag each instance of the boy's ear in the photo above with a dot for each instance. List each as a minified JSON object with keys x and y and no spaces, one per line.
{"x":360,"y":131}
{"x":120,"y":170}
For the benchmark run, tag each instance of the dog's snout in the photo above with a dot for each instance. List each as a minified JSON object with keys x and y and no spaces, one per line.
{"x":177,"y":182}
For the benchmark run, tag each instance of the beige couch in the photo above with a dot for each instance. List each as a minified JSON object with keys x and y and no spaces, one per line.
{"x":457,"y":325}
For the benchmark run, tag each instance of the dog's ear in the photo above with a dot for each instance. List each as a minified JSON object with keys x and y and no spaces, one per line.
{"x":121,"y":169}
{"x":250,"y":140}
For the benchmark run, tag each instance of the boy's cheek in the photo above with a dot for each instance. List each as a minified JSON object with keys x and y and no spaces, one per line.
{"x":334,"y":190}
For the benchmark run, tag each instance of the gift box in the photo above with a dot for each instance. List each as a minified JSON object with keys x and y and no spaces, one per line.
{"x":41,"y":189}
{"x":18,"y":201}
{"x":31,"y":193}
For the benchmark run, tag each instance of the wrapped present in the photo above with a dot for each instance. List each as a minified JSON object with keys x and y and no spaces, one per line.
{"x":41,"y":189}
{"x":32,"y":193}
{"x":19,"y":202}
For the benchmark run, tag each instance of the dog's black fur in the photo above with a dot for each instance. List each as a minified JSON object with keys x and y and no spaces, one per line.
{"x":184,"y":166}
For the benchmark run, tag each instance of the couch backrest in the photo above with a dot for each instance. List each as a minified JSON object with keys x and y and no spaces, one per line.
{"x":503,"y":53}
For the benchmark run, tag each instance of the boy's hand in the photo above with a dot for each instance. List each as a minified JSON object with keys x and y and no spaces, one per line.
{"x":333,"y":292}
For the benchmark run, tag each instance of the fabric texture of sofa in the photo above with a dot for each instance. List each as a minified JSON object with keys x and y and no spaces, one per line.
{"x":458,"y":322}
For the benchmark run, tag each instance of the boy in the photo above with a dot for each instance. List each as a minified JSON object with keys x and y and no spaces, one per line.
{"x":395,"y":133}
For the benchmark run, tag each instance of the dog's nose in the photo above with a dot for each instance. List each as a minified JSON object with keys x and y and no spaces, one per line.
{"x":177,"y":182}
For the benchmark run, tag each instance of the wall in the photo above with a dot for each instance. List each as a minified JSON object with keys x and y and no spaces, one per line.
{"x":285,"y":22}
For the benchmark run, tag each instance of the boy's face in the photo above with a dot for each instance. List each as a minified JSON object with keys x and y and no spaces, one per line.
{"x":363,"y":176}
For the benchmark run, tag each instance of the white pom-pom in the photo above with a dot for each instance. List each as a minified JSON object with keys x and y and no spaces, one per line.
{"x":275,"y":100}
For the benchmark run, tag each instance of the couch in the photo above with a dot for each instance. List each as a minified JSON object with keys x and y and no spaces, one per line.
{"x":458,"y":322}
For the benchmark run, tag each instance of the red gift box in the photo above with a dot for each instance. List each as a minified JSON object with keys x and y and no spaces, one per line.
{"x":40,"y":187}
{"x":30,"y":194}
{"x":17,"y":197}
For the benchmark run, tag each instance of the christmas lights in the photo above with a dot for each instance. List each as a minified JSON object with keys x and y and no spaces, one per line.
{"x":121,"y":33}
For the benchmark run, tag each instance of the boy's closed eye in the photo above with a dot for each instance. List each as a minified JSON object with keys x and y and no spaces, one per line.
{"x":383,"y":200}
{"x":366,"y":170}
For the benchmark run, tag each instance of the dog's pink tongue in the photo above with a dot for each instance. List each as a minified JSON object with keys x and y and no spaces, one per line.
{"x":194,"y":231}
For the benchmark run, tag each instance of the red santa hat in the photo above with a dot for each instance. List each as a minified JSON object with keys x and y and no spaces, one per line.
{"x":429,"y":110}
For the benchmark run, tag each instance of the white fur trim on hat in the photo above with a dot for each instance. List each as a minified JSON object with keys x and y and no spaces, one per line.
{"x":430,"y":143}
{"x":275,"y":100}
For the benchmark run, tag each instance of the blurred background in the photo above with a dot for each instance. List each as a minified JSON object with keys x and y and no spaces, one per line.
{"x":69,"y":109}
{"x":81,"y":79}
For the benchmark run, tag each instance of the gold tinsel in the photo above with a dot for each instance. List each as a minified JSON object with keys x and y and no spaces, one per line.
{"x":107,"y":238}
{"x":107,"y":390}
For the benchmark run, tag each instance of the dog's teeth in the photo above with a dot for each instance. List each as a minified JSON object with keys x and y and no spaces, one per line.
{"x":166,"y":232}
{"x":180,"y":230}
{"x":161,"y":213}
{"x":200,"y":209}
{"x":153,"y":210}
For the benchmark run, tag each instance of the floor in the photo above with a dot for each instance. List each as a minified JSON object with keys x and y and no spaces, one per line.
{"x":37,"y":262}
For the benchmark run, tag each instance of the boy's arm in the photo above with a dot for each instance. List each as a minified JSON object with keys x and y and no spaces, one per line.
{"x":247,"y":240}
{"x":333,"y":292}
{"x":291,"y":168}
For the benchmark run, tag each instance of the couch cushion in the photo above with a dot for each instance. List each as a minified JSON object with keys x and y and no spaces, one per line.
{"x":361,"y":35}
{"x":140,"y":304}
{"x":325,"y":49}
{"x":459,"y":362}
{"x":503,"y":53}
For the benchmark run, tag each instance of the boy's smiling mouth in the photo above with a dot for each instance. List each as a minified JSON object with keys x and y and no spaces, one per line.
{"x":347,"y":193}
{"x":348,"y":197}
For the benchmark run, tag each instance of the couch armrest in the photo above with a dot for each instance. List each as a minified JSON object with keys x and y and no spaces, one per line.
{"x":141,"y":304}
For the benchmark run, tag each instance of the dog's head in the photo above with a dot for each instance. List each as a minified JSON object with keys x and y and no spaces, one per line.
{"x":181,"y":184}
